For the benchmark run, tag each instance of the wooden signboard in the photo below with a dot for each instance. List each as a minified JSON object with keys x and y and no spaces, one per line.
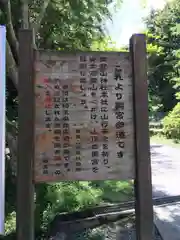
{"x":83,"y":116}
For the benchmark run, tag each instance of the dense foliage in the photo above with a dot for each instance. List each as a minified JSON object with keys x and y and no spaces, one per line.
{"x":163,"y":31}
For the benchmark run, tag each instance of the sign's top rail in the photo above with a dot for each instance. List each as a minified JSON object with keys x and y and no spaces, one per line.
{"x":46,"y":54}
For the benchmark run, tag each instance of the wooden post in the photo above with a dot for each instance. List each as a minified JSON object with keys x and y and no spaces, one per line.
{"x":25,"y":14}
{"x":25,"y":188}
{"x":143,"y":185}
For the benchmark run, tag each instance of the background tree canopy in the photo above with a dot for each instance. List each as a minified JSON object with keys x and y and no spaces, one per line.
{"x":163,"y":32}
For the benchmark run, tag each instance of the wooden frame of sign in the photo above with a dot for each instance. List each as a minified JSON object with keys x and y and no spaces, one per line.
{"x":83,"y":116}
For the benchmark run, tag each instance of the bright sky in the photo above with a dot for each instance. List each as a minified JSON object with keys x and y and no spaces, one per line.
{"x":128,"y":19}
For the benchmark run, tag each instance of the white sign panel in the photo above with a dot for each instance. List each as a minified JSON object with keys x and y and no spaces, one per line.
{"x":2,"y":126}
{"x":84,"y":116}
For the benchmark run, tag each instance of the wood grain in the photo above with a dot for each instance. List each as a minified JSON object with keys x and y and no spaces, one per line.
{"x":63,"y":70}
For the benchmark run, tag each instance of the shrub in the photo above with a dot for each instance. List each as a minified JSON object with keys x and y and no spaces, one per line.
{"x":67,"y":197}
{"x":171,"y":123}
{"x":155,"y":132}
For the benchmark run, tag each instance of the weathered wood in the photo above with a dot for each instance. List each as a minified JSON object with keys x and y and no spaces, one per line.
{"x":62,"y":74}
{"x":77,"y":95}
{"x":79,"y":225}
{"x":143,"y":186}
{"x":74,"y":220}
{"x":25,"y":188}
{"x":84,"y":215}
{"x":123,"y":206}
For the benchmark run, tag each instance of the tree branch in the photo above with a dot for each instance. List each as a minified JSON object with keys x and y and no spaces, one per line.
{"x":10,"y":31}
{"x":12,"y":145}
{"x":11,"y":65}
{"x":12,"y":44}
{"x":11,"y":36}
{"x":37,"y":24}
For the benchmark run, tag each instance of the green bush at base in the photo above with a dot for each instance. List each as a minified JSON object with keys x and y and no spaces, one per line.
{"x":171,"y":123}
{"x":154,"y":132}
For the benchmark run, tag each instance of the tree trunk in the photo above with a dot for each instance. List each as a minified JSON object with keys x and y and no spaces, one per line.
{"x":12,"y":46}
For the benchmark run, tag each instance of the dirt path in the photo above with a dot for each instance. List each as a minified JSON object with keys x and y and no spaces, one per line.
{"x":166,"y":182}
{"x":165,"y":162}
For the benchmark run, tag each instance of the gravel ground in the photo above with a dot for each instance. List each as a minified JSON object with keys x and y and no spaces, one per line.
{"x":131,"y":235}
{"x":126,"y":232}
{"x":114,"y":231}
{"x":110,"y":232}
{"x":165,"y":170}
